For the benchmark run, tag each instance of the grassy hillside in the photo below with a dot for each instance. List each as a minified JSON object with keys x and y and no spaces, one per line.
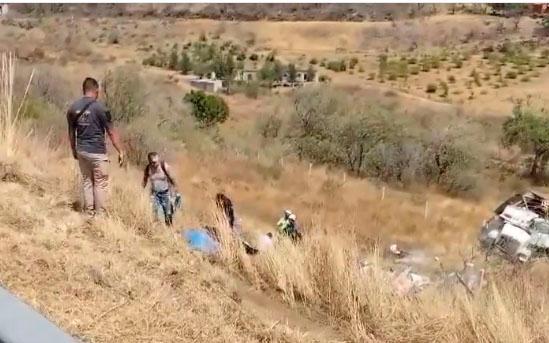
{"x":125,"y":278}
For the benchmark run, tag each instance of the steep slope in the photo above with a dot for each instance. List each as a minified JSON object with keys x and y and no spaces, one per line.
{"x":117,"y":279}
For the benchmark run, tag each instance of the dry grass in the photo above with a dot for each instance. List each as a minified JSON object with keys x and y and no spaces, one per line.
{"x":323,"y":274}
{"x":125,"y":279}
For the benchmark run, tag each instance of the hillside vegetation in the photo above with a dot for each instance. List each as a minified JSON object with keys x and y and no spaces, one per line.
{"x":398,"y":143}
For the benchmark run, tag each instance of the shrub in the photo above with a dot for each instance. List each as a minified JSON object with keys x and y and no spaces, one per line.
{"x":444,"y":87}
{"x":476,"y":77}
{"x":124,"y":93}
{"x":511,"y":75}
{"x":414,"y":70}
{"x":451,"y":78}
{"x":431,"y":88}
{"x":251,"y":89}
{"x":371,"y":141}
{"x":324,"y":78}
{"x":528,"y":128}
{"x":269,"y":126}
{"x":337,"y":66}
{"x":524,"y":79}
{"x":184,"y":65}
{"x":353,"y":62}
{"x":254,"y":57}
{"x":313,"y":61}
{"x":207,"y":109}
{"x":392,"y":77}
{"x":113,"y":38}
{"x":371,"y":76}
{"x":361,"y":69}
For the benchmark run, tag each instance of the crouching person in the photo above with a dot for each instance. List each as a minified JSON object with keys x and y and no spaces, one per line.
{"x":160,"y":176}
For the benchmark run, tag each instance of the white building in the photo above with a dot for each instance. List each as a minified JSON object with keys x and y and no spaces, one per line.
{"x":4,"y":9}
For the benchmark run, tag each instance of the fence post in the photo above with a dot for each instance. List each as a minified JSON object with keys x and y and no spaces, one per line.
{"x":310,"y":169}
{"x":382,"y":193}
{"x":426,"y":212}
{"x":344,"y":177}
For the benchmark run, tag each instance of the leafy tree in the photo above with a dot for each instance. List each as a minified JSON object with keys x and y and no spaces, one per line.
{"x":208,"y":109}
{"x":124,"y":93}
{"x":173,"y":60}
{"x":311,"y":73}
{"x":271,"y":72}
{"x":292,"y":72}
{"x":185,"y":64}
{"x":528,"y":128}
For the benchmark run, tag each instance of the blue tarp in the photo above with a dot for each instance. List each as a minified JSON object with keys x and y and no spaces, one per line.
{"x":199,"y":239}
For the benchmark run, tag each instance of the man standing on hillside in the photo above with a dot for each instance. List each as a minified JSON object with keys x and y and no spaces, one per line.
{"x":88,"y":120}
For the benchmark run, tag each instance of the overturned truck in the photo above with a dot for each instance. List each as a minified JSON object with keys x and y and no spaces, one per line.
{"x":519,"y":230}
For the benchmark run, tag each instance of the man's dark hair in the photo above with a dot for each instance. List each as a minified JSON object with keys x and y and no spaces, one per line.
{"x":89,"y":84}
{"x":150,"y":155}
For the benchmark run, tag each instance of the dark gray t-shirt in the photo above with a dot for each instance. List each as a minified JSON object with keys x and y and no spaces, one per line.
{"x":89,"y":126}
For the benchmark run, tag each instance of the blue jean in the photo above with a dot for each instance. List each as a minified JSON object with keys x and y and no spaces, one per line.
{"x":162,"y":206}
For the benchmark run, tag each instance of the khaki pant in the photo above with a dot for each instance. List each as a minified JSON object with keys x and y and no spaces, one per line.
{"x":95,"y":180}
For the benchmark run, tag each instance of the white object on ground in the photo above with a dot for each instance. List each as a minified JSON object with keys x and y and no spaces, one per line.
{"x":264,"y":243}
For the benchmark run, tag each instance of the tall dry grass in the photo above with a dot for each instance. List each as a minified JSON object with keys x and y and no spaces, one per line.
{"x":9,"y":115}
{"x":125,"y":279}
{"x":323,"y":274}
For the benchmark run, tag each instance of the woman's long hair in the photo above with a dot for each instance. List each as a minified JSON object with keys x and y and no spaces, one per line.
{"x":226,"y":206}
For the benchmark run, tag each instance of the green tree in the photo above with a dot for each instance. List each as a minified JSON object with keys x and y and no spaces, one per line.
{"x":208,"y":109}
{"x":271,"y":72}
{"x":292,"y":72}
{"x":528,"y":128}
{"x":124,"y":93}
{"x":311,"y":73}
{"x":173,"y":60}
{"x":185,"y":65}
{"x":230,"y":69}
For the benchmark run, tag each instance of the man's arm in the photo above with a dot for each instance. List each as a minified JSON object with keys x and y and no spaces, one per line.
{"x":72,"y":133}
{"x":170,"y":173}
{"x":106,"y":119}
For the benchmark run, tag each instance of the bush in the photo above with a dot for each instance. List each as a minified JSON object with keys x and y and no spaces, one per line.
{"x":269,"y":126}
{"x":337,"y":66}
{"x":371,"y":76}
{"x":313,"y":61}
{"x":254,"y":57}
{"x":431,"y":88}
{"x":251,"y":89}
{"x":511,"y":75}
{"x":444,"y":87}
{"x":324,"y":78}
{"x":451,"y":78}
{"x":113,"y":38}
{"x":353,"y":62}
{"x":207,"y":109}
{"x":124,"y":93}
{"x":414,"y":70}
{"x":327,"y":127}
{"x":524,"y":79}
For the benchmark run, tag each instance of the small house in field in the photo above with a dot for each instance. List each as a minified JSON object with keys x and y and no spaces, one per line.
{"x":4,"y":9}
{"x":209,"y":84}
{"x":246,"y":75}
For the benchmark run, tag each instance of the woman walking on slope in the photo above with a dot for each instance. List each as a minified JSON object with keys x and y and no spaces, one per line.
{"x":162,"y":186}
